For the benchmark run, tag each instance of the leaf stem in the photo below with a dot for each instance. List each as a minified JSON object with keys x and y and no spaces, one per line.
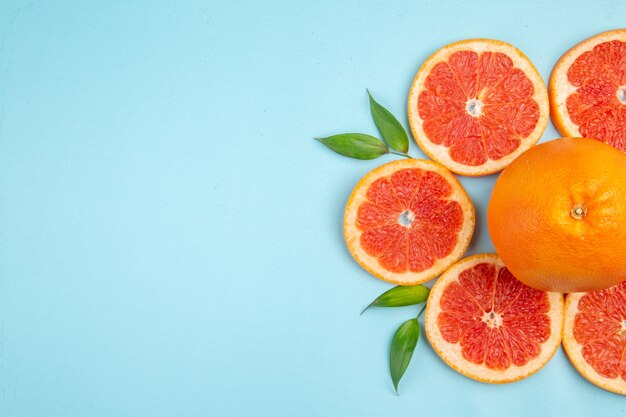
{"x":368,"y":306}
{"x":401,"y":154}
{"x":421,"y":311}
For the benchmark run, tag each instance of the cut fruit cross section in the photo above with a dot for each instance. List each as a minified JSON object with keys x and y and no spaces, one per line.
{"x":490,"y":327}
{"x":408,"y":220}
{"x":595,"y":336}
{"x":475,"y":105}
{"x":588,"y":89}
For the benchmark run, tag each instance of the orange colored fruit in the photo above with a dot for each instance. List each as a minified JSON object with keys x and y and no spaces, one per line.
{"x":595,"y":336}
{"x":475,"y":105}
{"x":490,"y":327}
{"x":408,"y":220}
{"x":557,"y":216}
{"x":588,"y":89}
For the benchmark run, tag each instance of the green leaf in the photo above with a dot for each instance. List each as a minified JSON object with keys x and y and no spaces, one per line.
{"x":401,"y":296}
{"x":402,"y":347}
{"x":356,"y":145}
{"x":390,"y":128}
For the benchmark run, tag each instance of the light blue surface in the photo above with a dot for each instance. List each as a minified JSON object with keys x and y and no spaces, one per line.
{"x":170,"y":234}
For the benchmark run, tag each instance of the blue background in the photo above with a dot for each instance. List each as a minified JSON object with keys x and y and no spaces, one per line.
{"x":170,"y":234}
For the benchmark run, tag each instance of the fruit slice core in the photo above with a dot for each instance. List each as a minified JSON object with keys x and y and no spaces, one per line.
{"x":497,"y":320}
{"x":408,"y":222}
{"x":598,"y":106}
{"x":600,"y":327}
{"x":479,"y":105}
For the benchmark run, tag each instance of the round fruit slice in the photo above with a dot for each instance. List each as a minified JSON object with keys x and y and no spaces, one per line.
{"x":588,"y":89}
{"x":490,"y":327}
{"x":595,"y":336}
{"x":475,"y":105}
{"x":408,"y":220}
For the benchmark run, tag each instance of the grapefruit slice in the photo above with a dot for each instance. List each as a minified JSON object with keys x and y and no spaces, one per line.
{"x":408,"y":220}
{"x":490,"y":327}
{"x":588,"y":89}
{"x":595,"y":336}
{"x":475,"y":105}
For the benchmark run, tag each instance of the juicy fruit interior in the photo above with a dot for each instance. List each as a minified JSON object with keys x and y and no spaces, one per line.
{"x":409,"y":220}
{"x":598,"y":104}
{"x":478,"y":105}
{"x":600,"y":328}
{"x":497,"y":320}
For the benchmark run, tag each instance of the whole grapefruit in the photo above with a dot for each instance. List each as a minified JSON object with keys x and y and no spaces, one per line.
{"x":557,"y":216}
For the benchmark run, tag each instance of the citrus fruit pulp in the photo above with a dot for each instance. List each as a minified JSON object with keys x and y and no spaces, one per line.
{"x":408,"y":220}
{"x":475,"y":105}
{"x":588,"y":89}
{"x":594,"y":337}
{"x":557,"y":216}
{"x":487,"y":325}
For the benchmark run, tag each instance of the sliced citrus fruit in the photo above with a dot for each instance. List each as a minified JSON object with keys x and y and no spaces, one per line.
{"x":595,"y":336}
{"x":475,"y":105}
{"x":408,"y":220}
{"x":490,"y":327}
{"x":588,"y":89}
